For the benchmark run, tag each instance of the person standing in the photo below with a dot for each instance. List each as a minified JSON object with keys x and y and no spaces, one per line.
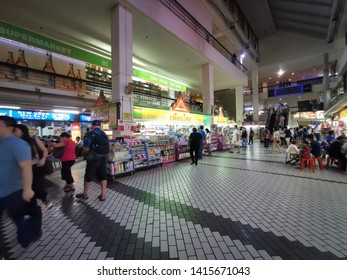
{"x":195,"y":139}
{"x":79,"y":146}
{"x":39,"y":154}
{"x":235,"y":140}
{"x":68,"y":159}
{"x":250,"y":137}
{"x":202,"y":144}
{"x":208,"y":141}
{"x":15,"y":175}
{"x":96,"y":148}
{"x":266,"y":137}
{"x":287,"y":135}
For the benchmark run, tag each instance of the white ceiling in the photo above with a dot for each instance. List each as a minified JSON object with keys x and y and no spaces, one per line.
{"x":86,"y":24}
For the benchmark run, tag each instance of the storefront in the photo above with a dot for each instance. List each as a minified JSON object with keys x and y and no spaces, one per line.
{"x":308,"y":118}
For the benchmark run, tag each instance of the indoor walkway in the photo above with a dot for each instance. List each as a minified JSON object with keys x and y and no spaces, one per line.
{"x":230,"y":206}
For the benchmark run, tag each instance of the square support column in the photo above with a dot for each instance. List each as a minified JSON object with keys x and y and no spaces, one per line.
{"x":122,"y":46}
{"x":208,"y":90}
{"x":239,"y":104}
{"x":255,"y":96}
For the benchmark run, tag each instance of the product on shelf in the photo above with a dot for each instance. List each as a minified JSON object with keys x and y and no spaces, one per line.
{"x":120,"y":160}
{"x":167,"y":148}
{"x":153,"y":154}
{"x":139,"y":153}
{"x":223,"y":143}
{"x":181,"y":147}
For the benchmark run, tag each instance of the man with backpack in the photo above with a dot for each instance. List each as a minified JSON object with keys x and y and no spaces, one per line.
{"x":95,"y":150}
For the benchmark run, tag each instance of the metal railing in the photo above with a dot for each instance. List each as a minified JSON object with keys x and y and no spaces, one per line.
{"x":186,"y":17}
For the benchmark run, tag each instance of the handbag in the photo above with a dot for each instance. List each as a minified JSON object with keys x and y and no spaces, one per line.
{"x":58,"y":152}
{"x":30,"y":228}
{"x":48,"y":167}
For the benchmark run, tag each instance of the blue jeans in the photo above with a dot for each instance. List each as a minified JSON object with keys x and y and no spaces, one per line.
{"x":15,"y":206}
{"x":244,"y":143}
{"x":201,"y":150}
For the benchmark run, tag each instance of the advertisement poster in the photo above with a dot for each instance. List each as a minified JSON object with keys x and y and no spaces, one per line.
{"x":19,"y":60}
{"x":112,"y":114}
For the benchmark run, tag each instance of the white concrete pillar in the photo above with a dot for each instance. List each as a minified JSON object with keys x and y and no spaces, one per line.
{"x":207,"y":90}
{"x":239,"y":104}
{"x":121,"y":47}
{"x":255,"y":95}
{"x":264,"y":95}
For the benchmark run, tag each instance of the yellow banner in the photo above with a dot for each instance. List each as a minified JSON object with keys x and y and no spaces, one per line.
{"x":343,"y":113}
{"x":168,"y":116}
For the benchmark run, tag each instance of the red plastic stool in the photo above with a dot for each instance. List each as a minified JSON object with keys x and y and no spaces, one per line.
{"x":310,"y":163}
{"x":320,"y":162}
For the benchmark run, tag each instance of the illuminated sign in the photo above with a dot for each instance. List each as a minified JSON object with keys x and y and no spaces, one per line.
{"x":100,"y":113}
{"x":4,"y":112}
{"x":289,"y":90}
{"x":41,"y":116}
{"x":168,"y":116}
{"x":309,"y":115}
{"x":221,"y":120}
{"x":180,"y":105}
{"x":85,"y":118}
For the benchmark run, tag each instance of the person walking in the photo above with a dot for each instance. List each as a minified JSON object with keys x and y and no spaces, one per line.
{"x":195,"y":139}
{"x":202,"y":144}
{"x":68,"y":159}
{"x":15,"y":175}
{"x":79,"y":146}
{"x":276,"y":140}
{"x":208,"y":141}
{"x":250,"y":137}
{"x":244,"y":138}
{"x":39,"y":154}
{"x":96,"y":148}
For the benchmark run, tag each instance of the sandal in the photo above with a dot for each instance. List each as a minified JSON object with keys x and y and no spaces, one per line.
{"x":82,"y":196}
{"x":101,"y":198}
{"x":68,"y":189}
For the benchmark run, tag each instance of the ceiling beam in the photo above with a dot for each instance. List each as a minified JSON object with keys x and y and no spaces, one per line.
{"x":304,"y":32}
{"x":315,"y":3}
{"x":304,"y":21}
{"x":303,"y":13}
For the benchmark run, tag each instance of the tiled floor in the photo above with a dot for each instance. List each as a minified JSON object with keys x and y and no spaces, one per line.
{"x":230,"y":206}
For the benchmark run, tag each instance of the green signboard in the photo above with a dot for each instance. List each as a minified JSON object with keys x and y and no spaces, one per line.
{"x":157,"y":79}
{"x":20,"y":35}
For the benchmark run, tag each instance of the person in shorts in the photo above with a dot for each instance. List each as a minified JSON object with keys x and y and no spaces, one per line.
{"x":96,"y":160}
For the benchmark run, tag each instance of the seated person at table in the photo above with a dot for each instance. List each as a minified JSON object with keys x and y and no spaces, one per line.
{"x":305,"y":152}
{"x":316,"y":149}
{"x":335,"y":151}
{"x":293,"y":152}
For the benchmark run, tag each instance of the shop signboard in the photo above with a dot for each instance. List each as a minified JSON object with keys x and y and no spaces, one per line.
{"x":126,"y":125}
{"x":221,"y":120}
{"x":141,"y":113}
{"x":85,"y":118}
{"x":32,"y":39}
{"x":142,"y":74}
{"x":75,"y":130}
{"x":318,"y":115}
{"x":343,"y":114}
{"x":99,"y":113}
{"x":5,"y":112}
{"x":41,"y":116}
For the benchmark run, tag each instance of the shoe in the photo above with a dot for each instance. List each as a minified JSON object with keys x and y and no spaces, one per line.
{"x":101,"y":198}
{"x":192,"y":162}
{"x":68,"y":189}
{"x":48,"y":204}
{"x":196,"y":163}
{"x":231,"y":152}
{"x":82,"y":196}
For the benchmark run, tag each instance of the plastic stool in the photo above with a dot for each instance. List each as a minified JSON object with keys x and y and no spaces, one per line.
{"x":310,"y":163}
{"x":320,"y":162}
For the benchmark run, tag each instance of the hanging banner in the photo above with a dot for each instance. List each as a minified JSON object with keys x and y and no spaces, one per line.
{"x":99,"y":113}
{"x":112,"y":116}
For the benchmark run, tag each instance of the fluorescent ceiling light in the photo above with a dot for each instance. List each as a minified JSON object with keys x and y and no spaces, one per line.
{"x":242,"y":56}
{"x":65,"y":111}
{"x":10,"y":107}
{"x":160,"y":76}
{"x":280,"y":72}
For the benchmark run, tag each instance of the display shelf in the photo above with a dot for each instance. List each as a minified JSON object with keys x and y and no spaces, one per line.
{"x":120,"y":161}
{"x":139,"y":153}
{"x":153,"y":154}
{"x":181,"y":148}
{"x":223,"y":143}
{"x":167,"y":148}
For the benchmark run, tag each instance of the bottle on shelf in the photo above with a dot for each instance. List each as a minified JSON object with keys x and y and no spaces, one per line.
{"x":22,"y":71}
{"x":71,"y":74}
{"x":50,"y":69}
{"x":11,"y":74}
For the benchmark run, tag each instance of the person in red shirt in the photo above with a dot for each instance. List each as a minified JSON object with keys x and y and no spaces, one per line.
{"x":67,"y":160}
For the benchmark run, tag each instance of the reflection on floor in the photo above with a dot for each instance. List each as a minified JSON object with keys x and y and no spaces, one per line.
{"x":229,"y":206}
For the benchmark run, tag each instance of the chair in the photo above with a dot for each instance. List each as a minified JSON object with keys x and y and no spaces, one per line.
{"x":320,"y":162}
{"x":310,"y":163}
